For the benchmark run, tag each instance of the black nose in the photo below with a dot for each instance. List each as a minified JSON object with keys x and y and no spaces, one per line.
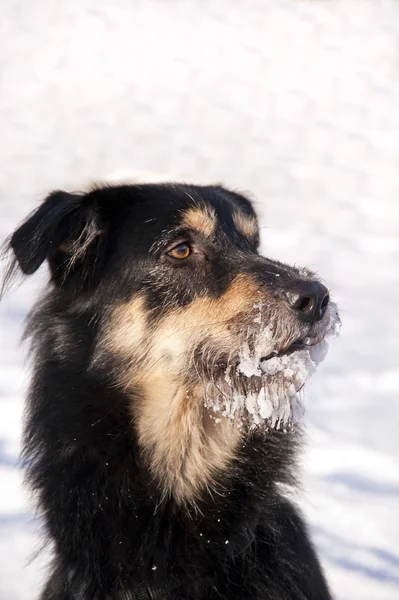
{"x":309,"y":298}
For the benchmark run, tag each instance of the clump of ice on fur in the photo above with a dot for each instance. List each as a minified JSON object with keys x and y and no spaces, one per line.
{"x":279,"y":403}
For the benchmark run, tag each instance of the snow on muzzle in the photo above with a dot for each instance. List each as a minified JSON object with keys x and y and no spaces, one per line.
{"x":268,"y":393}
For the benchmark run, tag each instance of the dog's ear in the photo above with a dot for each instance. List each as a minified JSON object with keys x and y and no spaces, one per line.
{"x":45,"y":230}
{"x":62,"y":230}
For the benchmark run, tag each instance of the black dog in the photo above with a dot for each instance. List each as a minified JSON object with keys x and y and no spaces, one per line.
{"x":155,"y":475}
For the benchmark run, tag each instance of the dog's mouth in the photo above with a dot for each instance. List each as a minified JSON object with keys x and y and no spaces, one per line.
{"x":266,"y":388}
{"x":302,"y":343}
{"x":299,"y":344}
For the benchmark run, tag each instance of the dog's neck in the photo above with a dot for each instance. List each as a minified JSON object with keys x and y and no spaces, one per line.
{"x":187,"y":450}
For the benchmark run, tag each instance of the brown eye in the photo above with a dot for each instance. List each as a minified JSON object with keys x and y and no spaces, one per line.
{"x":180,"y":251}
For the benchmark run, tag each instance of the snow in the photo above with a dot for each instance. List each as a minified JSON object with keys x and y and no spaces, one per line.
{"x":296,"y":101}
{"x":268,"y":392}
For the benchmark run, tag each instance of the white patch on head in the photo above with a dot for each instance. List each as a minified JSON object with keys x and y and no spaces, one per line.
{"x":273,"y":398}
{"x":135,"y":177}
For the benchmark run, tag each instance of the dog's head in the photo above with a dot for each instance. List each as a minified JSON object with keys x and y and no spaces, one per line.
{"x":207,"y":337}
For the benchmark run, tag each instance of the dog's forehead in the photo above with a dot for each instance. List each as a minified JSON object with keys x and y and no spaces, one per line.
{"x":202,"y":209}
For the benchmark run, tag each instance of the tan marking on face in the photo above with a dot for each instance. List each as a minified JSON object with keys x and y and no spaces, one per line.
{"x":184,"y":447}
{"x":247,"y":225}
{"x":200,"y":219}
{"x":181,"y":331}
{"x":127,"y":329}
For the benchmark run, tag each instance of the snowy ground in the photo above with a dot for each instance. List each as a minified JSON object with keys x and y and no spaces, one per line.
{"x":294,"y":100}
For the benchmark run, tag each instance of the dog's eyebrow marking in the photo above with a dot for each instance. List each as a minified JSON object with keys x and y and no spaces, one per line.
{"x":201,"y":219}
{"x":246,"y":224}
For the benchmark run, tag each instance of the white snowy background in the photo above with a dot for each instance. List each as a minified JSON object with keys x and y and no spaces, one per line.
{"x":296,"y":101}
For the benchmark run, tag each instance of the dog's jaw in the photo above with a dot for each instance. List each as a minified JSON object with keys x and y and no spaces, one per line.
{"x":268,"y":393}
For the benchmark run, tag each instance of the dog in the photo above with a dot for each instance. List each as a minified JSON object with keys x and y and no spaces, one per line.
{"x":161,"y":425}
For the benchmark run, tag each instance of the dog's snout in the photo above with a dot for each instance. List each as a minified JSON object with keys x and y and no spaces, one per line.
{"x":309,"y":299}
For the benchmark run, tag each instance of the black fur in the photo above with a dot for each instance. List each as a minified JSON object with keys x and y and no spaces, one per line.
{"x":111,"y":527}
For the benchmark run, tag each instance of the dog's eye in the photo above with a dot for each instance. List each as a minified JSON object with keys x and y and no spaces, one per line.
{"x":180,"y":252}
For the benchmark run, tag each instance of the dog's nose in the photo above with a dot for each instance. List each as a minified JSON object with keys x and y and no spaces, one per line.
{"x":309,"y":298}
